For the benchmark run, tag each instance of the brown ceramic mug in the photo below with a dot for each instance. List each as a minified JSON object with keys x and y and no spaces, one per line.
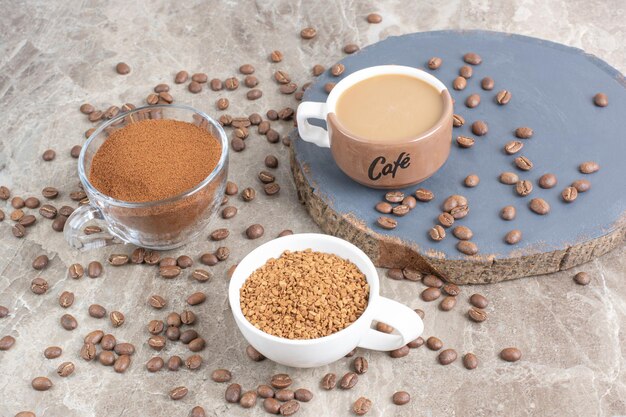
{"x":394,"y":163}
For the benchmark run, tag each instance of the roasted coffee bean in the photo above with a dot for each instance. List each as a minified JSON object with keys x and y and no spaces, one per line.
{"x":457,"y":120}
{"x":472,"y":58}
{"x":471,"y":181}
{"x":174,"y":363}
{"x":470,"y":361}
{"x":337,"y":69}
{"x":169,"y":271}
{"x":466,"y":72}
{"x":178,"y":393}
{"x":264,"y":127}
{"x":18,"y":231}
{"x":248,"y":399}
{"x":589,"y":167}
{"x":209,"y":259}
{"x":233,"y":393}
{"x":201,"y":275}
{"x":437,"y":233}
{"x":222,"y":103}
{"x":601,"y":100}
{"x":446,"y":219}
{"x":581,"y":185}
{"x":424,"y":195}
{"x":513,"y":237}
{"x":32,"y":202}
{"x":88,"y":351}
{"x":66,"y":299}
{"x":196,"y":345}
{"x":401,"y":210}
{"x":524,"y":132}
{"x":582,"y":278}
{"x":271,"y":405}
{"x":434,"y":343}
{"x":246,"y":69}
{"x":360,"y":365}
{"x":167,"y":261}
{"x":16,"y":215}
{"x":254,"y":94}
{"x":350,"y":48}
{"x":219,"y":234}
{"x":187,"y":317}
{"x":476,"y":314}
{"x":254,"y":354}
{"x":432,"y":281}
{"x":288,"y":88}
{"x":151,"y":257}
{"x":271,"y":188}
{"x":48,"y":155}
{"x":385,"y":328}
{"x":87,"y":108}
{"x":65,"y":369}
{"x":184,"y":261}
{"x":154,"y":364}
{"x":48,"y":211}
{"x":276,"y":56}
{"x":266,"y":177}
{"x":513,"y":147}
{"x":255,"y":231}
{"x":328,"y":87}
{"x":95,"y":116}
{"x":27,"y":220}
{"x":280,"y":381}
{"x":111,"y":112}
{"x":308,"y":33}
{"x":40,"y":262}
{"x":466,"y":247}
{"x":451,"y":289}
{"x":122,"y":68}
{"x":410,"y":202}
{"x":237,"y":144}
{"x":523,"y":187}
{"x":523,"y":163}
{"x":39,"y":286}
{"x":265,"y":391}
{"x":387,"y":222}
{"x":503,"y":97}
{"x":272,"y":136}
{"x":487,"y":83}
{"x":394,"y":196}
{"x":52,"y":352}
{"x":41,"y":383}
{"x":94,"y":269}
{"x":17,"y":202}
{"x":91,"y":230}
{"x":329,"y":381}
{"x":289,"y":408}
{"x":303,"y":395}
{"x":181,"y":77}
{"x":173,"y":319}
{"x":194,"y":87}
{"x":124,"y":349}
{"x":465,"y":141}
{"x":66,"y":211}
{"x":255,"y":119}
{"x":511,"y":354}
{"x":121,"y":364}
{"x":472,"y":101}
{"x":459,"y":211}
{"x":6,"y":342}
{"x":479,"y":301}
{"x":459,"y":83}
{"x":222,"y":253}
{"x":221,"y":375}
{"x":349,"y":380}
{"x":156,"y":326}
{"x":447,"y":303}
{"x":446,"y":357}
{"x":361,"y":406}
{"x":271,"y":161}
{"x":108,"y":342}
{"x":384,"y":207}
{"x":4,"y":312}
{"x":286,"y":113}
{"x":318,"y":70}
{"x":539,"y":206}
{"x":282,"y":78}
{"x":508,"y":213}
{"x":479,"y":128}
{"x":188,"y":335}
{"x":411,"y":274}
{"x":197,"y":411}
{"x":5,"y":193}
{"x":196,"y":298}
{"x":156,"y":342}
{"x":547,"y":181}
{"x":431,"y":294}
{"x":97,"y":311}
{"x":284,"y":395}
{"x":401,"y":398}
{"x":434,"y":63}
{"x":117,"y":318}
{"x":118,"y":259}
{"x":153,"y":99}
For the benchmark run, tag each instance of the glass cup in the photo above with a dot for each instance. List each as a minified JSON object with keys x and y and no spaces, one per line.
{"x":162,"y":224}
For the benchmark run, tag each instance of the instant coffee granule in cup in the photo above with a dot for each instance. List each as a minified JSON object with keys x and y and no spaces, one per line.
{"x":304,"y":295}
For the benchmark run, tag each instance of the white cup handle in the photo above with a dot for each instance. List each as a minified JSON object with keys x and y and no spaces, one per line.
{"x":307,"y":131}
{"x":407,"y":323}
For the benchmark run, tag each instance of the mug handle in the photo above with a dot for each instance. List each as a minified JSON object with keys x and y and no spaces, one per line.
{"x":404,"y":320}
{"x":307,"y":131}
{"x":73,"y":230}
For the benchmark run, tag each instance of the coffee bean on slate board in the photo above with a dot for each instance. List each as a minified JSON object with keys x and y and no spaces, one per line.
{"x":523,"y":187}
{"x":569,"y":194}
{"x":431,"y":294}
{"x":503,"y":97}
{"x":513,"y":147}
{"x":539,"y":206}
{"x":459,"y":83}
{"x":473,"y":100}
{"x":476,"y":314}
{"x":465,"y":141}
{"x":329,"y":381}
{"x":524,"y":132}
{"x":437,"y":233}
{"x":511,"y":354}
{"x":513,"y":237}
{"x":434,"y":62}
{"x":446,"y":357}
{"x":470,"y":361}
{"x":350,"y":48}
{"x":478,"y":300}
{"x":582,"y":185}
{"x":41,"y":383}
{"x":480,"y":128}
{"x":508,"y":213}
{"x":487,"y":83}
{"x":362,"y":406}
{"x":387,"y":222}
{"x":472,"y":58}
{"x":523,"y":163}
{"x":547,"y":181}
{"x":601,"y":100}
{"x":471,"y":180}
{"x":589,"y":167}
{"x":466,"y":247}
{"x":582,"y":278}
{"x":457,"y":120}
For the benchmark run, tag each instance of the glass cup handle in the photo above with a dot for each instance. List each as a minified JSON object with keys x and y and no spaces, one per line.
{"x":75,"y":236}
{"x":403,"y":319}
{"x":309,"y":132}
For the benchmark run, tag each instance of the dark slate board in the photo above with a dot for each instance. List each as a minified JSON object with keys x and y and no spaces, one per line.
{"x":552,"y":87}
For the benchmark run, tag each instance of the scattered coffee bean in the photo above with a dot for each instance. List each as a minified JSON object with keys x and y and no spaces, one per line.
{"x":437,"y":233}
{"x":337,"y":69}
{"x":487,"y":83}
{"x":284,"y":395}
{"x":329,"y":381}
{"x":209,"y":259}
{"x":117,"y":259}
{"x":121,"y":364}
{"x":196,"y":298}
{"x":66,"y":299}
{"x":581,"y":185}
{"x":178,"y":393}
{"x":349,"y":380}
{"x":434,"y":343}
{"x":88,"y":351}
{"x":424,"y":195}
{"x":94,"y":337}
{"x":108,"y":342}
{"x":601,"y":100}
{"x":457,"y":120}
{"x":173,"y":333}
{"x":201,"y":275}
{"x":184,"y":261}
{"x":478,"y":300}
{"x":255,"y":231}
{"x":41,"y":383}
{"x":446,"y":219}
{"x":248,"y":399}
{"x":524,"y":132}
{"x":219,"y":234}
{"x":254,"y":354}
{"x":472,"y":58}
{"x":350,"y":48}
{"x":6,"y":342}
{"x":411,"y":274}
{"x":97,"y":311}
{"x":589,"y":167}
{"x":328,"y":87}
{"x":582,"y":278}
{"x":52,"y":352}
{"x":547,"y":181}
{"x":303,"y":395}
{"x":447,"y":303}
{"x":476,"y":314}
{"x":523,"y":188}
{"x":49,"y":155}
{"x":513,"y":147}
{"x":222,"y":103}
{"x":122,"y":68}
{"x":465,"y":141}
{"x":513,"y":237}
{"x":480,"y":128}
{"x":446,"y":357}
{"x":459,"y":83}
{"x":32,"y":202}
{"x":221,"y":375}
{"x":265,"y":391}
{"x":503,"y":97}
{"x":360,"y":365}
{"x":434,"y":63}
{"x":361,"y":406}
{"x":194,"y":87}
{"x":233,"y":393}
{"x":169,"y":271}
{"x":511,"y":354}
{"x":155,"y":364}
{"x":466,"y":247}
{"x":280,"y":381}
{"x":472,"y":101}
{"x":431,"y":294}
{"x":569,"y":194}
{"x":395,"y":273}
{"x":40,"y":262}
{"x":451,"y":289}
{"x":470,"y":361}
{"x":508,"y":213}
{"x":401,"y":398}
{"x":432,"y":281}
{"x":308,"y":33}
{"x":156,"y":326}
{"x":254,"y":94}
{"x":271,"y":405}
{"x":39,"y":286}
{"x":94,"y":269}
{"x":117,"y":318}
{"x":48,"y":211}
{"x":523,"y":163}
{"x":539,"y":206}
{"x":271,"y":161}
{"x":65,"y":369}
{"x":156,"y":342}
{"x":471,"y":180}
{"x":466,"y":71}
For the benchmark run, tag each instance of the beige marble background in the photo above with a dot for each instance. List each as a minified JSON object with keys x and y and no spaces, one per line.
{"x":55,"y":55}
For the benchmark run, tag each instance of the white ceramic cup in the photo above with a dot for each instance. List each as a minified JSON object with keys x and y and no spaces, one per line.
{"x":321,"y":351}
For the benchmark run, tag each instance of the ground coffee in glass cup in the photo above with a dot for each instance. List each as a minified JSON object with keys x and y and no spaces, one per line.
{"x":161,"y":224}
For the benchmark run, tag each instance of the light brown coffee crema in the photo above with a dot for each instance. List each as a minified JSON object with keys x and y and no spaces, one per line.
{"x":304,"y":295}
{"x":152,"y":160}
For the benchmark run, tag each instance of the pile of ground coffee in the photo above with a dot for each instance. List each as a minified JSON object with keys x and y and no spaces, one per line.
{"x":152,"y":160}
{"x":304,"y":295}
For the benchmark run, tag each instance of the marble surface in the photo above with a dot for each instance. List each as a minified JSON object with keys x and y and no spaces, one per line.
{"x":56,"y":55}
